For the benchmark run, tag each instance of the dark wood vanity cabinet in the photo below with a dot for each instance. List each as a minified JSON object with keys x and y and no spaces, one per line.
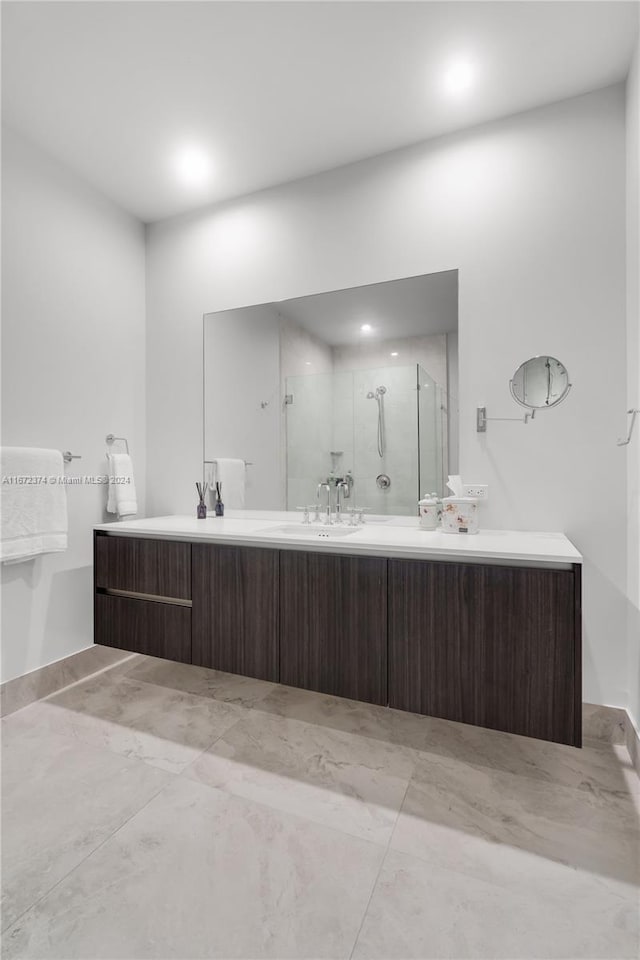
{"x":493,"y":645}
{"x":235,"y":609}
{"x":333,"y":624}
{"x":490,"y":645}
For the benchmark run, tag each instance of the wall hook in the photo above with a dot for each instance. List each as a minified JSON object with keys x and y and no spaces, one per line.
{"x":633,"y":412}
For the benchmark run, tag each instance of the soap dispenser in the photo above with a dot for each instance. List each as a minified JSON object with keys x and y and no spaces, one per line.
{"x":430,"y":510}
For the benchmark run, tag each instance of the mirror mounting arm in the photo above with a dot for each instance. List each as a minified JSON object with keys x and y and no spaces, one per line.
{"x":482,"y":419}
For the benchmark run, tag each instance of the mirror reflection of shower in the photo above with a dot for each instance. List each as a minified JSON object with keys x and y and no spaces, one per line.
{"x":378,"y":396}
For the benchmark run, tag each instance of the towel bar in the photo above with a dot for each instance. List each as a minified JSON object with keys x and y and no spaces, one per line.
{"x":247,"y":463}
{"x":67,"y":456}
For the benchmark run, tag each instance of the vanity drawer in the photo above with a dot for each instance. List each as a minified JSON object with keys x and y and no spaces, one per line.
{"x":142,"y":626}
{"x":153,"y":567}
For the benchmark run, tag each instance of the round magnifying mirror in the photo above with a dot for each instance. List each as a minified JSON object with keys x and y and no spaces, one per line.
{"x":540,"y":382}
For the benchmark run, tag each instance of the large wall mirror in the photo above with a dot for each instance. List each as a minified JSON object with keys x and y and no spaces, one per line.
{"x":356,"y":387}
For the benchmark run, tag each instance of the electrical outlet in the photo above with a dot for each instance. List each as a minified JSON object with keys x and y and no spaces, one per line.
{"x":478,"y":490}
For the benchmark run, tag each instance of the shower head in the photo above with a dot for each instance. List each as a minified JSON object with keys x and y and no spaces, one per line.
{"x":376,"y":396}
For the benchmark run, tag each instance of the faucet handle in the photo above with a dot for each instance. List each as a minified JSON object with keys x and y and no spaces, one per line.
{"x":361,"y":512}
{"x":305,"y":517}
{"x":353,"y":519}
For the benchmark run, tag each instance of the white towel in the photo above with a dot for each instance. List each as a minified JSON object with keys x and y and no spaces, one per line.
{"x":34,"y":513}
{"x":231,"y":475}
{"x":121,"y":498}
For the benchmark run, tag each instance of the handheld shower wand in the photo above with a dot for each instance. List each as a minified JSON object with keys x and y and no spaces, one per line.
{"x":378,"y":396}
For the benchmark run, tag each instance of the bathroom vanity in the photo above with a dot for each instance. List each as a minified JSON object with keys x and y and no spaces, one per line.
{"x":481,"y":629}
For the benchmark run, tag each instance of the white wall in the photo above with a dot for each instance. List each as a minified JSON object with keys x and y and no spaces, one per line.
{"x":242,"y":372}
{"x":73,"y":371}
{"x":633,"y":382}
{"x":429,"y":351}
{"x":531,"y":212}
{"x":301,"y":353}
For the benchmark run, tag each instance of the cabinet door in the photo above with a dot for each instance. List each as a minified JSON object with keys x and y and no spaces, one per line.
{"x":333,"y":624}
{"x":143,"y":626}
{"x":235,"y":609}
{"x":489,"y":645}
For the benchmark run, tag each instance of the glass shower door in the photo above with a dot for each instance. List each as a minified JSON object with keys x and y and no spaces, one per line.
{"x":308,"y":435}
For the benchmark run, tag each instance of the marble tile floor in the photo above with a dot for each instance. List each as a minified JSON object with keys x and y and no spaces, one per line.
{"x":160,"y":810}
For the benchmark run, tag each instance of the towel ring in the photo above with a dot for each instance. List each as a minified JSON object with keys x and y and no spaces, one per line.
{"x":111,"y":439}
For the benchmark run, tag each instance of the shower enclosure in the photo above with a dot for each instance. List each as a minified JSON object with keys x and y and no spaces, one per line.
{"x":383,"y":430}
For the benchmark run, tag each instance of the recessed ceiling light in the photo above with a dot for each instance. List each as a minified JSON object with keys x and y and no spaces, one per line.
{"x":366,"y":328}
{"x":395,"y":353}
{"x":193,"y":167}
{"x":308,"y":362}
{"x":458,"y":77}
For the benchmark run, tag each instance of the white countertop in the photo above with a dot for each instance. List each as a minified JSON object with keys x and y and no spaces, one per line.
{"x":380,"y":536}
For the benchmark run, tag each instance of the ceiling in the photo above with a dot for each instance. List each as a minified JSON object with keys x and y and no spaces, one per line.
{"x":416,"y":306}
{"x":274,"y":91}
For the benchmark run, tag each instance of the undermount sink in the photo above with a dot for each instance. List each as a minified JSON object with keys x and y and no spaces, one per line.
{"x":311,"y":530}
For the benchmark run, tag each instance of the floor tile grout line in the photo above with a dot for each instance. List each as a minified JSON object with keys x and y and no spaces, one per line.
{"x":124,"y":677}
{"x":297,"y":814}
{"x":577,"y":868}
{"x":291,"y":813}
{"x":382,"y":862}
{"x":110,"y":836}
{"x":207,"y":748}
{"x":171,"y":779}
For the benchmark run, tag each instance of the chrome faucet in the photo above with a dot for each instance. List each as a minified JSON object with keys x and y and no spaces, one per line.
{"x":327,"y":487}
{"x":344,"y":488}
